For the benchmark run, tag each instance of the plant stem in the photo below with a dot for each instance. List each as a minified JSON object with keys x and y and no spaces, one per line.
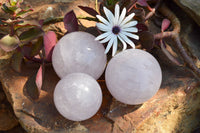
{"x":153,"y":10}
{"x":175,"y":35}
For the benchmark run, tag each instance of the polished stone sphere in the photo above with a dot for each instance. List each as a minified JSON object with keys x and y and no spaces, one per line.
{"x":133,"y":76}
{"x":77,"y":96}
{"x":79,"y":52}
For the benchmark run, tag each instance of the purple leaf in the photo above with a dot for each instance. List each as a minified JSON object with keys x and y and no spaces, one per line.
{"x":165,"y":24}
{"x":142,"y":2}
{"x":89,"y":10}
{"x":39,"y":78}
{"x":167,"y":53}
{"x":147,"y":40}
{"x":71,"y":22}
{"x":50,"y":40}
{"x":141,"y":27}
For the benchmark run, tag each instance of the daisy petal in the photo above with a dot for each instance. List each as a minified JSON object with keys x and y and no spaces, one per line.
{"x":116,"y":14}
{"x":129,"y":24}
{"x":109,"y":45}
{"x":127,"y":18}
{"x":127,"y":40}
{"x":132,"y":29}
{"x":122,"y":16}
{"x":123,"y":42}
{"x":109,"y":15}
{"x":136,"y":37}
{"x":103,"y":27}
{"x":114,"y":50}
{"x":104,"y":35}
{"x":103,"y":20}
{"x":107,"y":38}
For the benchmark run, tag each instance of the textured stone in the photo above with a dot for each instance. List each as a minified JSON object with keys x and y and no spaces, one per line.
{"x":133,"y":76}
{"x":79,"y":52}
{"x":77,"y":96}
{"x":192,"y":7}
{"x":7,"y":117}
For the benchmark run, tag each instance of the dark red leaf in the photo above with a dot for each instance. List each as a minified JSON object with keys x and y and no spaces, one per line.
{"x":26,"y":50}
{"x":71,"y":22}
{"x":147,"y":40}
{"x":169,"y":56}
{"x":165,"y":24}
{"x":89,"y":10}
{"x":142,"y":2}
{"x":50,"y":40}
{"x":39,"y":78}
{"x":141,"y":27}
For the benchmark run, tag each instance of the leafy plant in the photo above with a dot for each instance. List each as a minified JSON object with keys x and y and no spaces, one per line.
{"x":25,"y":39}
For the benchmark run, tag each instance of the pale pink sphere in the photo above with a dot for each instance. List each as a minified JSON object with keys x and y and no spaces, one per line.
{"x":79,"y":52}
{"x":133,"y":76}
{"x":77,"y":96}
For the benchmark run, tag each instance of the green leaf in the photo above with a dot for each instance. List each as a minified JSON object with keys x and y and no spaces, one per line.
{"x":16,"y":61}
{"x":37,"y":47}
{"x":27,"y":24}
{"x":13,"y":2}
{"x":9,"y":43}
{"x":6,"y":9}
{"x":31,"y":34}
{"x":13,"y":8}
{"x":23,"y":12}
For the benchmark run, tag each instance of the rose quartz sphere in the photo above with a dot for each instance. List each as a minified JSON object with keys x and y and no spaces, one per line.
{"x":79,"y":52}
{"x":77,"y":96}
{"x":133,"y":76}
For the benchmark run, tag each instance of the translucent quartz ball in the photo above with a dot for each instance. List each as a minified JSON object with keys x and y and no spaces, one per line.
{"x":79,"y":52}
{"x":77,"y":96}
{"x":133,"y":76}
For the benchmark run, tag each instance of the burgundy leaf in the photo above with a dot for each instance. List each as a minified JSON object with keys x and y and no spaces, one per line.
{"x":141,"y":27}
{"x":89,"y":10}
{"x":50,"y":40}
{"x":71,"y":22}
{"x":39,"y":78}
{"x":167,"y":53}
{"x":26,"y":50}
{"x":165,"y":24}
{"x":147,"y":40}
{"x":142,"y":2}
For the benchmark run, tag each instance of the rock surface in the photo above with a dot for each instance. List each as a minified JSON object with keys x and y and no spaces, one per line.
{"x":7,"y":117}
{"x":171,"y":103}
{"x":175,"y":108}
{"x":192,"y":7}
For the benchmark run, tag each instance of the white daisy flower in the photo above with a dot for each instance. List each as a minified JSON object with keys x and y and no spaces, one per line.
{"x":117,"y":27}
